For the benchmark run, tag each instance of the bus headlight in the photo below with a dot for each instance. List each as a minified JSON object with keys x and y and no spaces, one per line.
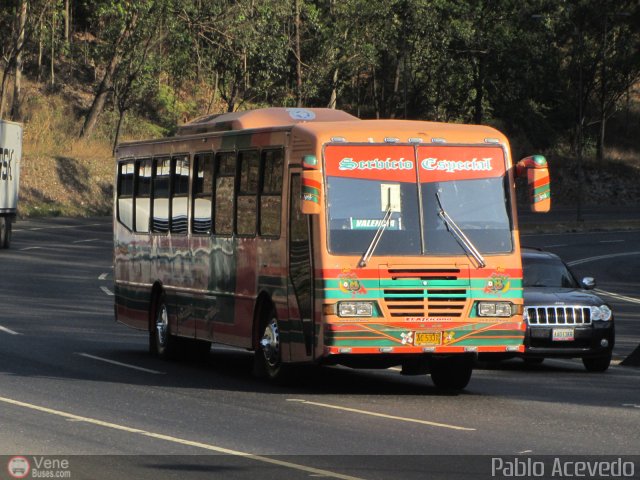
{"x":355,"y":309}
{"x":602,"y":313}
{"x":495,"y":309}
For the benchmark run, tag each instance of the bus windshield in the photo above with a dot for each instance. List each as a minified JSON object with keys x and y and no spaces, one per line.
{"x":364,"y":181}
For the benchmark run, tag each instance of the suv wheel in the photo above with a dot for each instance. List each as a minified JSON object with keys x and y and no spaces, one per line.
{"x":597,"y":364}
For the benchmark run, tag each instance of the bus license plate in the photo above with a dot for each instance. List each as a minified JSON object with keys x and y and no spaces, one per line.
{"x":563,"y":335}
{"x":428,"y":339}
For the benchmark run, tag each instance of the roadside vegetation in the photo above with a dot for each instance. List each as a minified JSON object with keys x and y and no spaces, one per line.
{"x":559,"y":77}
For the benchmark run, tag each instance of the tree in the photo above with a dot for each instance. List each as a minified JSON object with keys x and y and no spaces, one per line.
{"x":125,"y":18}
{"x":16,"y":112}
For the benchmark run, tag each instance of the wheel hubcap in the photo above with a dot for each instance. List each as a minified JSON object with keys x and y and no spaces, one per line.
{"x":162,"y":325}
{"x":270,"y":343}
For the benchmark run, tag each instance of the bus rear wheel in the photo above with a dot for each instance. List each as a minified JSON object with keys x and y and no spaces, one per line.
{"x":452,"y":372}
{"x":161,"y":342}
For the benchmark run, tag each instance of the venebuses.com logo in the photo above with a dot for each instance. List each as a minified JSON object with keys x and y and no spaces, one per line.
{"x":38,"y":467}
{"x":18,"y":467}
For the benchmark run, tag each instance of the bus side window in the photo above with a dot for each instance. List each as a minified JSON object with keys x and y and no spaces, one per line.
{"x":125,"y":193}
{"x":271,"y":192}
{"x":246,"y":215}
{"x":161,"y":177}
{"x":180,"y":194}
{"x":225,"y":195}
{"x":143,"y":195}
{"x":202,"y":191}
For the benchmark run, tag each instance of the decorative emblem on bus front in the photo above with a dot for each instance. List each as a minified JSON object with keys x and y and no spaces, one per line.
{"x":407,"y":338}
{"x":350,"y":283}
{"x":498,"y":283}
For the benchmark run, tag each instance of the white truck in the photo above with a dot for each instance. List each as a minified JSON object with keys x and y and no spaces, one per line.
{"x":10,"y":155}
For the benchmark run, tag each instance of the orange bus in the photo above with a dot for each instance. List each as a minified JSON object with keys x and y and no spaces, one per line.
{"x":312,"y":237}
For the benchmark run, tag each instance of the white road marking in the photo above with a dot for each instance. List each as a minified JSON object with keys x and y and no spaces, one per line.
{"x":382,"y":415}
{"x":103,"y":276}
{"x":30,"y":248}
{"x":181,"y":441}
{"x":87,"y":240}
{"x":611,"y":241}
{"x":632,"y":405}
{"x":9,"y":331}
{"x":601,"y":257}
{"x":619,"y":297}
{"x":107,"y":291}
{"x":120,"y":364}
{"x":33,"y":229}
{"x":558,"y":245}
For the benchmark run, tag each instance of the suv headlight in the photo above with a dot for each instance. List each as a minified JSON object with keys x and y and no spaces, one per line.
{"x":602,"y":313}
{"x":495,"y":309}
{"x":355,"y":309}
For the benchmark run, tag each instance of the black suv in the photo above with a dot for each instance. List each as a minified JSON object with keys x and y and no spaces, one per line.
{"x":564,"y":319}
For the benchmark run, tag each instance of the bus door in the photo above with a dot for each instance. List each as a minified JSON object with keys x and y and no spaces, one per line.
{"x":300,"y":278}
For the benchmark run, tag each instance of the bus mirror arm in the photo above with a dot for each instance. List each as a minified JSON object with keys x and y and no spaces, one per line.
{"x":536,"y":171}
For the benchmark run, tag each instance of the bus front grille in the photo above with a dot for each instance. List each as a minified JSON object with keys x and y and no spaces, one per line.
{"x":425,"y":302}
{"x":424,"y":292}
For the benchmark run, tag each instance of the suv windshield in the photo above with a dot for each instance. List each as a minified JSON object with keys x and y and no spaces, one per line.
{"x":364,"y":180}
{"x":547,"y":272}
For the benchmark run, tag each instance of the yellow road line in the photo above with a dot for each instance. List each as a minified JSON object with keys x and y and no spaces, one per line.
{"x":181,"y":441}
{"x":382,"y":415}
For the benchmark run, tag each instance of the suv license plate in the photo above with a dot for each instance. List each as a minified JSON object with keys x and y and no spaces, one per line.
{"x":563,"y":335}
{"x":428,"y":339}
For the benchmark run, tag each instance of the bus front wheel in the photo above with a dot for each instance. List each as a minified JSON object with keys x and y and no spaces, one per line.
{"x":161,"y":342}
{"x":452,"y":372}
{"x":268,"y":354}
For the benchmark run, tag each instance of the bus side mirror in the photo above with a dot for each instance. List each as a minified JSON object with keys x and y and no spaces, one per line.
{"x":536,"y":171}
{"x":311,"y":194}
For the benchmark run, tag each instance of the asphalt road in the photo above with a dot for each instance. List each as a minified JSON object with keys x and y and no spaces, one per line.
{"x":76,"y":386}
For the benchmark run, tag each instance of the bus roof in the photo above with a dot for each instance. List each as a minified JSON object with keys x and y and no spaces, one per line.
{"x":403,"y":130}
{"x":262,"y":118}
{"x":326,"y":125}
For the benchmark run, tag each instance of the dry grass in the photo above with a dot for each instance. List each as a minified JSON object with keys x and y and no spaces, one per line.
{"x":60,"y":174}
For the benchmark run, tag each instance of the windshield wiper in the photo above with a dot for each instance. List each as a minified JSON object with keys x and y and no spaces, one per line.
{"x":376,"y":238}
{"x":457,"y":232}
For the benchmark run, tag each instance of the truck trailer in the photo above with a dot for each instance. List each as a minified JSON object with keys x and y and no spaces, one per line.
{"x":10,"y":155}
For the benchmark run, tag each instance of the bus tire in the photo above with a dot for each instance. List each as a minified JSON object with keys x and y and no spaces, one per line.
{"x":268,"y":352}
{"x":5,"y":232}
{"x":452,"y":372}
{"x":161,"y":342}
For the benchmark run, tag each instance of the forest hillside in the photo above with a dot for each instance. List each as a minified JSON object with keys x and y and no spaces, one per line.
{"x":560,"y":78}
